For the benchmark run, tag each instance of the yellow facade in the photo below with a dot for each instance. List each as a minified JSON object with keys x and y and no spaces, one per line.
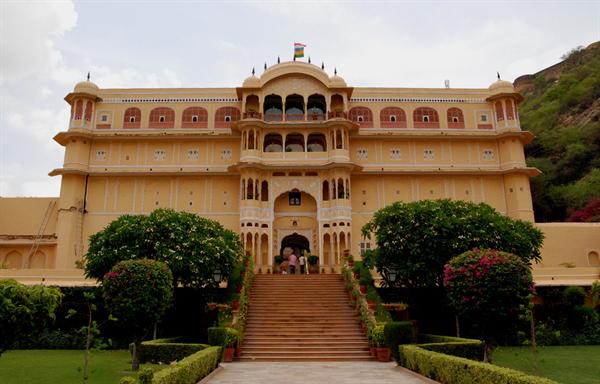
{"x":291,"y":157}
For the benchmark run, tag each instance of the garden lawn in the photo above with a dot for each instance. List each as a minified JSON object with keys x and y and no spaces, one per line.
{"x":62,"y":366}
{"x":565,"y":364}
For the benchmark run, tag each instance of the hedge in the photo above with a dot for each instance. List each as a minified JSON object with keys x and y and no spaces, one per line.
{"x":167,"y":350}
{"x":191,"y":369}
{"x":398,"y":332}
{"x":456,"y":346}
{"x":457,"y":370}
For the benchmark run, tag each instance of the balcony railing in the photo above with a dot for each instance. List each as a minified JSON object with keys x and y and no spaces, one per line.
{"x":286,"y":117}
{"x":340,"y":114}
{"x":252,"y":115}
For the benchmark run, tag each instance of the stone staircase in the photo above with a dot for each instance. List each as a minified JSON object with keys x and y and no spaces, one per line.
{"x":302,"y":318}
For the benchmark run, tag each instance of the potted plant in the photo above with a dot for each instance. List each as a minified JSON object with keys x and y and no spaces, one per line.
{"x":231,"y":338}
{"x":372,"y":347}
{"x":356,"y":269}
{"x":383,"y":351}
{"x":313,"y":263}
{"x":350,"y":261}
{"x":278,"y":260}
{"x":235,"y":301}
{"x":372,"y":297}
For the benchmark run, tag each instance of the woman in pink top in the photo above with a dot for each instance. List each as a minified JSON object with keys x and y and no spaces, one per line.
{"x":292,"y":260}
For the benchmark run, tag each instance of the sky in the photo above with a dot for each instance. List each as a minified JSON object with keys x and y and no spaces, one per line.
{"x":46,"y":47}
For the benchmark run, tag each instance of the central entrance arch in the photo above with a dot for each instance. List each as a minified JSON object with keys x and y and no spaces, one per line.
{"x":298,"y":243}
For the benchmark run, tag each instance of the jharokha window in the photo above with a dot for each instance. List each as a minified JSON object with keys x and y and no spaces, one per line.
{"x":455,"y":118}
{"x":162,"y":118}
{"x":426,"y":117}
{"x":361,"y":115}
{"x":392,"y":117}
{"x":224,"y":116}
{"x":194,"y":117}
{"x":132,"y":118}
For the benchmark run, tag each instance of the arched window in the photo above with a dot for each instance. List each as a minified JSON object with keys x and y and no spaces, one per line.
{"x":362,"y":115}
{"x":325,"y":190}
{"x":38,"y":260}
{"x":334,"y":185}
{"x":256,"y":186}
{"x":243,"y":186}
{"x":273,"y":108}
{"x":294,"y":142}
{"x":425,"y":117}
{"x":337,"y":106}
{"x":250,"y":189}
{"x":294,"y":108}
{"x":88,"y":111}
{"x":224,"y":116}
{"x":13,"y":260}
{"x":455,"y":118}
{"x":162,"y":117}
{"x":132,"y":118}
{"x":273,"y":143}
{"x":194,"y":117}
{"x":78,"y":109}
{"x":392,"y":117}
{"x":340,"y":189}
{"x":510,"y":112}
{"x":252,"y":107}
{"x":316,"y":107}
{"x":316,"y":143}
{"x":264,"y":191}
{"x":339,"y":140}
{"x":251,"y":139}
{"x":499,"y":111}
{"x":347,"y":189}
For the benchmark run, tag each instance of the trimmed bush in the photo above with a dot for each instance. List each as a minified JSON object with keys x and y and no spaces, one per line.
{"x":191,"y":369}
{"x":167,"y":350}
{"x":127,"y":380}
{"x":457,"y":370}
{"x":217,"y":336}
{"x":456,"y":346}
{"x":398,"y":332}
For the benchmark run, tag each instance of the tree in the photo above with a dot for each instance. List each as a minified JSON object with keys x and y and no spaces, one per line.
{"x":137,"y":293}
{"x":490,"y":288}
{"x":417,"y":239}
{"x":192,"y":246}
{"x":24,"y":309}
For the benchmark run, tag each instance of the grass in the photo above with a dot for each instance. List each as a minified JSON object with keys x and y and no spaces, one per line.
{"x":565,"y":364}
{"x":62,"y":366}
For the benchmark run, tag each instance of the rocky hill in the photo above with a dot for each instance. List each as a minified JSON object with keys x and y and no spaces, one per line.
{"x":562,"y":108}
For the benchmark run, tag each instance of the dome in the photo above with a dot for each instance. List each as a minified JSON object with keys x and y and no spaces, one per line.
{"x":337,"y":81}
{"x":501,"y":86}
{"x":251,"y":82}
{"x":86,"y":87}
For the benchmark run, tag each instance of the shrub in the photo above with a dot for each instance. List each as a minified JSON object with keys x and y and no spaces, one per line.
{"x":457,"y":370}
{"x":456,"y":346}
{"x":377,"y":335}
{"x":145,"y":375}
{"x":217,"y":336}
{"x":127,"y":380}
{"x":167,"y":350}
{"x":398,"y":332}
{"x":191,"y":369}
{"x":574,"y":296}
{"x":278,"y":259}
{"x":313,"y":259}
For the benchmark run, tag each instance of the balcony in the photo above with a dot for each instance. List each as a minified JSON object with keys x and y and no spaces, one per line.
{"x":278,"y":117}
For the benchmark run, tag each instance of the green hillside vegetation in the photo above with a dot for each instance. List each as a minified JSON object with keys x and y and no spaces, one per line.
{"x":564,"y":115}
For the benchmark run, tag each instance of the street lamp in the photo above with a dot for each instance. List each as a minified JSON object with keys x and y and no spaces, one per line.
{"x":392,"y":274}
{"x":217,"y":275}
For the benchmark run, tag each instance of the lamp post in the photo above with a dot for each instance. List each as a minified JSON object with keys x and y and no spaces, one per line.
{"x":392,"y":274}
{"x":217,"y":275}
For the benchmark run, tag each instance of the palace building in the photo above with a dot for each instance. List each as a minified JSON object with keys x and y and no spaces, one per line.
{"x":294,"y":158}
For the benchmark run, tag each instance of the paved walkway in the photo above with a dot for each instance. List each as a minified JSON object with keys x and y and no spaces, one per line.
{"x":314,"y":372}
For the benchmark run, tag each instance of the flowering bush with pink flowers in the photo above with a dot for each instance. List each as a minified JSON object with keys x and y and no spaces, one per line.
{"x":490,"y":288}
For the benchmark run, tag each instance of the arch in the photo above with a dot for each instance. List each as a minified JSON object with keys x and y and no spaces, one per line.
{"x":38,"y":260}
{"x":337,"y":105}
{"x":273,"y":108}
{"x":327,"y":253}
{"x":334,"y":185}
{"x":78,"y":110}
{"x":361,"y":115}
{"x":273,"y":143}
{"x":194,"y":117}
{"x":13,"y":260}
{"x":249,"y":244}
{"x":499,"y":111}
{"x":294,"y":142}
{"x":256,"y":186}
{"x":593,"y":258}
{"x":132,"y":118}
{"x":316,"y":143}
{"x":426,"y":117}
{"x":250,"y":189}
{"x":252,"y":106}
{"x":339,"y":140}
{"x":224,"y":116}
{"x":297,"y":242}
{"x":243,"y":189}
{"x":392,"y":117}
{"x":264,"y":191}
{"x":340,"y":189}
{"x":294,"y":107}
{"x":342,"y":240}
{"x":325,"y":192}
{"x":251,"y":142}
{"x":510,"y":111}
{"x":162,"y":117}
{"x":264,"y":249}
{"x":455,"y":118}
{"x":316,"y":107}
{"x":347,"y":188}
{"x":88,"y":111}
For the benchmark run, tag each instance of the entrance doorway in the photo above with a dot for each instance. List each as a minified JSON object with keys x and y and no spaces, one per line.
{"x":296,"y":243}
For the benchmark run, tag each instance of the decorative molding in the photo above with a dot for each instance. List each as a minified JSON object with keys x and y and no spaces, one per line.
{"x":415,"y":100}
{"x":128,"y":100}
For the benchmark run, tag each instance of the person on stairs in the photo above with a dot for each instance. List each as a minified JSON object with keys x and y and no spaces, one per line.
{"x":302,"y":262}
{"x":292,"y":259}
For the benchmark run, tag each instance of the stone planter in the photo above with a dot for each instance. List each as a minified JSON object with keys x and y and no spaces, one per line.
{"x":228,"y":354}
{"x":383,"y":354}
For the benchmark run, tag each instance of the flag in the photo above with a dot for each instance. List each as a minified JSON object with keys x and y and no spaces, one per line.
{"x":299,"y":50}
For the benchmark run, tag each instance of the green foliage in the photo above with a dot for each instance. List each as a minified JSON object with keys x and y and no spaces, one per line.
{"x":489,"y":288}
{"x":456,"y":346}
{"x":138,"y":292}
{"x":378,"y":335}
{"x":278,"y":259}
{"x":166,"y":350}
{"x":398,"y":332}
{"x":127,"y":380}
{"x":217,"y":336}
{"x":191,"y":369}
{"x":192,"y":246}
{"x":417,"y":239}
{"x":595,"y":293}
{"x":145,"y":375}
{"x":457,"y":370}
{"x":313,"y":259}
{"x":574,"y":296}
{"x":25,"y":309}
